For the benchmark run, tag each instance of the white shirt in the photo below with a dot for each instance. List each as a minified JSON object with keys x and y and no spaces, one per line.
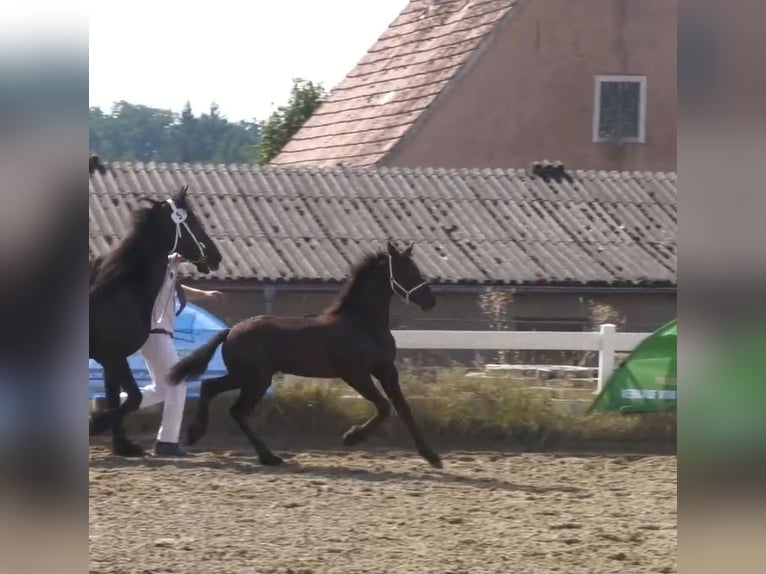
{"x":164,"y":312}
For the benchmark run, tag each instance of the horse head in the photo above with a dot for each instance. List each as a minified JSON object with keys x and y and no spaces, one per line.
{"x":183,"y":228}
{"x":406,"y":279}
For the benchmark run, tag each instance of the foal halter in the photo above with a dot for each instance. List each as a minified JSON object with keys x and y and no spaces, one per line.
{"x":178,"y":215}
{"x":402,"y":292}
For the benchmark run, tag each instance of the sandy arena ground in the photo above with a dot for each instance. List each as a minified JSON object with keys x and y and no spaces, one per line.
{"x":382,"y":512}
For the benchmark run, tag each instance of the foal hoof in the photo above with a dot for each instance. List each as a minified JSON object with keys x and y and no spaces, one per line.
{"x":271,"y":460}
{"x":433,"y":459}
{"x":353,"y":436}
{"x":128,"y":449}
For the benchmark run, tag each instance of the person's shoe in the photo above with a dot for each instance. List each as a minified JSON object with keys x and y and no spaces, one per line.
{"x":169,"y":449}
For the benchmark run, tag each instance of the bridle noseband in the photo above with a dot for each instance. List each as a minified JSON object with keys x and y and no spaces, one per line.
{"x":179,"y":215}
{"x":402,"y":292}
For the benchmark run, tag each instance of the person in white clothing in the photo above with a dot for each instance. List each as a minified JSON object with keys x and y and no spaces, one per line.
{"x":160,"y":355}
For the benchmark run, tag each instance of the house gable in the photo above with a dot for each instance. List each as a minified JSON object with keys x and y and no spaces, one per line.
{"x":395,"y":83}
{"x":500,"y":83}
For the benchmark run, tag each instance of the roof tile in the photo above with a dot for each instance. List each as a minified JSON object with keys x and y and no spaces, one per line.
{"x":471,"y":226}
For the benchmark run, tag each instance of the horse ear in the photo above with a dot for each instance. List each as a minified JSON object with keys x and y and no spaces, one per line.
{"x":392,"y":250}
{"x":408,"y":251}
{"x":181,"y":193}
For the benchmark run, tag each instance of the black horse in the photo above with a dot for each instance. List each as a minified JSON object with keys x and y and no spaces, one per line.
{"x":350,"y":340}
{"x":123,"y":287}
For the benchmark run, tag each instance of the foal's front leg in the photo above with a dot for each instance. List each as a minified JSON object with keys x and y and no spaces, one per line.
{"x":252,"y":391}
{"x":389,"y":379}
{"x":362,"y":383}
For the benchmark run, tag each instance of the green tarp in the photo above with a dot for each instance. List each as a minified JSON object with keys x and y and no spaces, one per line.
{"x":646,"y":379}
{"x":725,"y":408}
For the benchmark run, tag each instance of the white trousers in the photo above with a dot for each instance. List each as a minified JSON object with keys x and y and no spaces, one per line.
{"x":160,"y":355}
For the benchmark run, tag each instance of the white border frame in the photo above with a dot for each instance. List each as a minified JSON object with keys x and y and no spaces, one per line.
{"x":598,"y":80}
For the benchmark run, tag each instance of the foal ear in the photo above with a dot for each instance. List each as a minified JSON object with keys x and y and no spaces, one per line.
{"x":408,"y":251}
{"x":392,"y":250}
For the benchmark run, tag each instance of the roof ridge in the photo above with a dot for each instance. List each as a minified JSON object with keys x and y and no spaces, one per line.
{"x":602,"y":174}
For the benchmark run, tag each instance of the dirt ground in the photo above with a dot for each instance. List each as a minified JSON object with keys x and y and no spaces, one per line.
{"x":375,"y":511}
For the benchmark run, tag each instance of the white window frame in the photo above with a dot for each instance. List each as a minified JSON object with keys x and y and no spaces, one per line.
{"x":600,"y":79}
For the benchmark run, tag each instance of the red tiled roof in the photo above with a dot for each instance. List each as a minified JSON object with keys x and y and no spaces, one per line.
{"x":383,"y":97}
{"x":470,"y":226}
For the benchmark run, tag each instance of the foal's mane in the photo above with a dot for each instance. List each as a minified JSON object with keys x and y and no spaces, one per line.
{"x":350,"y":287}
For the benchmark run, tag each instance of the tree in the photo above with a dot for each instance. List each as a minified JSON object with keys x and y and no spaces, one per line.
{"x":185,"y":135}
{"x":305,"y":98}
{"x":132,"y":132}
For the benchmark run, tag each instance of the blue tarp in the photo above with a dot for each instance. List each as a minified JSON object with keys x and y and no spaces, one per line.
{"x":194,"y":326}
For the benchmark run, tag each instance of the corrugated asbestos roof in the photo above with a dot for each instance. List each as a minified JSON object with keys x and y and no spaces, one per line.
{"x":470,"y":226}
{"x":401,"y":75}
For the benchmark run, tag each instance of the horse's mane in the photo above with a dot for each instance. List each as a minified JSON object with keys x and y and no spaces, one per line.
{"x":350,"y":287}
{"x":126,"y":256}
{"x":95,"y":267}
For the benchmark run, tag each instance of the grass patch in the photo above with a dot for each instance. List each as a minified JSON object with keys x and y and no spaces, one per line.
{"x":446,"y":404}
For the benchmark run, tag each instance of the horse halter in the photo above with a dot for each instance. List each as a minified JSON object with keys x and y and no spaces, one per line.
{"x":178,"y":215}
{"x":402,"y":292}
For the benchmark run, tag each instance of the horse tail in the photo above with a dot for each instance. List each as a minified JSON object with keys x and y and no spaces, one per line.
{"x":196,"y":362}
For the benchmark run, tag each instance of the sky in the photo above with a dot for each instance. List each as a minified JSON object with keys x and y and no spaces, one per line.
{"x":240,"y":54}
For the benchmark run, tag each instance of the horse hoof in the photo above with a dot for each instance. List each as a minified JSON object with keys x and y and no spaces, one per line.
{"x":193,"y":435}
{"x":271,"y":460}
{"x":128,"y":449}
{"x":97,"y":425}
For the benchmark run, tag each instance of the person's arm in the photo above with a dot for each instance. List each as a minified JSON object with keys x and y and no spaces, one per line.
{"x":193,"y":294}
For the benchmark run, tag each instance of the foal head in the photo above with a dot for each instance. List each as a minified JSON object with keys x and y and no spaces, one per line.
{"x":182,"y":231}
{"x":406,"y":279}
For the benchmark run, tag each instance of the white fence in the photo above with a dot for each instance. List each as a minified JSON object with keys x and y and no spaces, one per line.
{"x":606,"y":341}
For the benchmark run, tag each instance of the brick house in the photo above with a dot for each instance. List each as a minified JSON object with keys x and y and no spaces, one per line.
{"x":502,"y":83}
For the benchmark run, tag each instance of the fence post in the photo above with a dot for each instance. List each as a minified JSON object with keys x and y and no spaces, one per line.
{"x":606,"y":354}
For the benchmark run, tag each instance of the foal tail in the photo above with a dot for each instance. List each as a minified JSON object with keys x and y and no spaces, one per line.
{"x":195,"y":363}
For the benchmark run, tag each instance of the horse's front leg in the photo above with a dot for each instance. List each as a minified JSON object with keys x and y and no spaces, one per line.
{"x":121,"y":444}
{"x":389,"y":380}
{"x":116,"y":372}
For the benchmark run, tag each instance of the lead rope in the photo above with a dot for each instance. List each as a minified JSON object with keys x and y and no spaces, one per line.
{"x":178,"y":215}
{"x":166,"y":300}
{"x":396,"y":285}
